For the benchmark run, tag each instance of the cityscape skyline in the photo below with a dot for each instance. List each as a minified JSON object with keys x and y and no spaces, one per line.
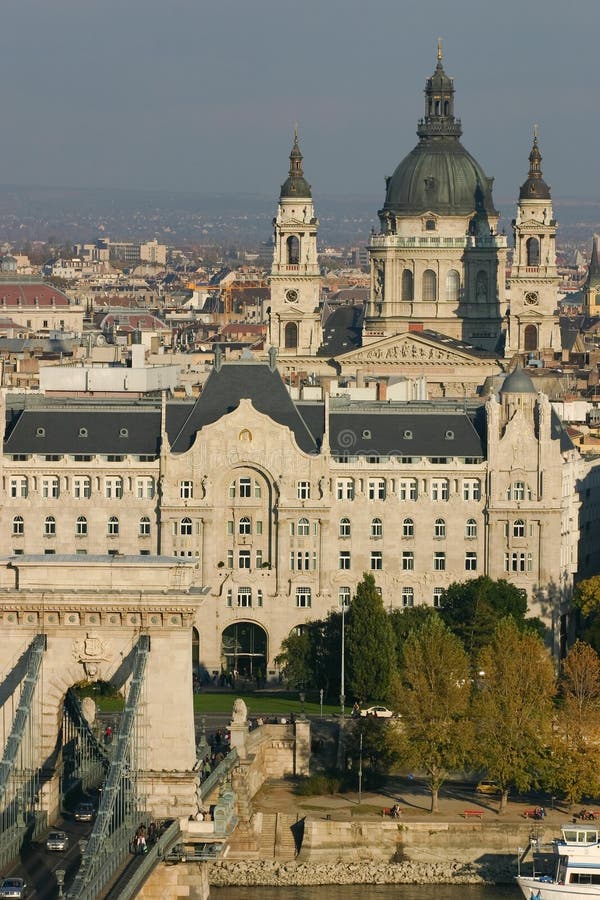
{"x":207,"y":98}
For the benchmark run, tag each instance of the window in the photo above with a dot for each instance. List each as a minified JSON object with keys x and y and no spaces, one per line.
{"x":515,"y":562}
{"x":303,"y":597}
{"x":82,"y":488}
{"x":408,"y":596}
{"x":408,"y":528}
{"x":50,"y":526}
{"x":303,"y":490}
{"x":344,"y":528}
{"x":344,"y":597}
{"x":115,"y":457}
{"x":145,"y":488}
{"x":293,"y":250}
{"x":113,"y":488}
{"x":344,"y":559}
{"x":245,"y":487}
{"x":291,"y":336}
{"x":530,"y":337}
{"x":438,"y":593}
{"x":471,"y":489}
{"x":185,"y":526}
{"x":81,"y":526}
{"x":471,"y":528}
{"x":408,"y":489}
{"x":377,"y":489}
{"x":230,"y":559}
{"x":50,"y":487}
{"x":244,"y":559}
{"x":452,"y":285}
{"x":18,"y":526}
{"x":144,"y":527}
{"x":244,"y":596}
{"x":408,"y":561}
{"x":345,"y":489}
{"x":245,"y":526}
{"x":301,"y":560}
{"x":376,"y":528}
{"x":439,"y":561}
{"x":186,"y":490}
{"x":518,"y":491}
{"x":481,"y":286}
{"x":533,"y":251}
{"x":518,"y":528}
{"x":113,"y":527}
{"x":470,"y":561}
{"x":439,"y":528}
{"x":18,"y":487}
{"x":376,"y":560}
{"x":407,"y":285}
{"x":440,"y":489}
{"x":303,"y":528}
{"x":259,"y":559}
{"x":258,"y":527}
{"x":429,"y":285}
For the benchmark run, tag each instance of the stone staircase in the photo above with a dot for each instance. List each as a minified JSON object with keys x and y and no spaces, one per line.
{"x":266,"y":843}
{"x":276,"y":837}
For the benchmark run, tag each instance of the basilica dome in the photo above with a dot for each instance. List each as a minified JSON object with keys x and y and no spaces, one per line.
{"x":439,"y":175}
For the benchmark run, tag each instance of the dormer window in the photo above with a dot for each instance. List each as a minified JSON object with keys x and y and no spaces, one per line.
{"x":40,"y":432}
{"x":123,"y":432}
{"x":366,"y":434}
{"x":449,"y":435}
{"x":429,"y":223}
{"x":83,"y":432}
{"x":408,"y":435}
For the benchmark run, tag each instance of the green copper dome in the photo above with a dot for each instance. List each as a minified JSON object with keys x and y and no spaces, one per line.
{"x":439,"y":175}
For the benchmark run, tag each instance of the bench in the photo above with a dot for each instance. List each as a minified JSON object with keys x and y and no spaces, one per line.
{"x":472,"y":813}
{"x":529,"y":813}
{"x":388,"y":811}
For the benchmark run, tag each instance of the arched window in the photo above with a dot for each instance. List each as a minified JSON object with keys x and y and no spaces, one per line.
{"x":185,"y":526}
{"x":81,"y":526}
{"x":18,"y":526}
{"x":408,"y":528}
{"x":439,"y":528}
{"x":376,"y":528}
{"x":481,"y":286}
{"x":452,"y":285}
{"x":293,"y":250}
{"x":303,"y":527}
{"x":144,"y":527}
{"x":113,"y":527}
{"x":408,"y":289}
{"x":533,"y":251}
{"x":471,"y":528}
{"x":530,"y":337}
{"x":518,"y":491}
{"x":344,"y":529}
{"x":50,"y":526}
{"x":245,"y":525}
{"x":518,"y":528}
{"x":291,"y":335}
{"x":429,"y":285}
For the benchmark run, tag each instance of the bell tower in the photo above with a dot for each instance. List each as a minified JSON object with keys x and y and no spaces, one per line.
{"x":533,"y":315}
{"x":294,"y":316}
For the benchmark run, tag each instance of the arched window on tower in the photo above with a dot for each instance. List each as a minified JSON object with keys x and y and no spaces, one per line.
{"x":531,"y":337}
{"x":293,"y":250}
{"x":429,"y":285}
{"x":481,"y":286}
{"x":407,"y":285}
{"x":446,"y":108}
{"x":452,"y":285}
{"x":291,"y":335}
{"x":533,"y":251}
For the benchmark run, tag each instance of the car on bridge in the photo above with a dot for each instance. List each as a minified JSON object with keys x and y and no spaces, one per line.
{"x":84,"y":812}
{"x":57,"y":840}
{"x":13,"y":888}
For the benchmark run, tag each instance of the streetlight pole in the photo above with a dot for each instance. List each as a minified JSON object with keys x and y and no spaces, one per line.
{"x":321,"y":701}
{"x":360,"y":769}
{"x":342,"y":678}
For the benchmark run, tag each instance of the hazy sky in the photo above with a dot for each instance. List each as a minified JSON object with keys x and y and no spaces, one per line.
{"x":203,"y":94}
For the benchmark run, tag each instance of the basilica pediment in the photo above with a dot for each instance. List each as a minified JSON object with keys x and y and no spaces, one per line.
{"x":412,"y":349}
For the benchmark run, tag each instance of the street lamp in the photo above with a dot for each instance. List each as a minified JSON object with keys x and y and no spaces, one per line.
{"x":342,"y":673}
{"x":302,"y":699}
{"x":360,"y":769}
{"x":60,"y":880}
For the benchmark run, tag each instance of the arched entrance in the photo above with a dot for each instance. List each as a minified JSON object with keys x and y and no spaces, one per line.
{"x":244,"y":649}
{"x":531,"y":337}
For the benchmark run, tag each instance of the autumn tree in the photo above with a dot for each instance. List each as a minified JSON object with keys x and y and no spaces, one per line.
{"x":406,"y":619}
{"x":434,"y":700}
{"x":512,"y":708}
{"x":587,"y":598}
{"x":370,"y":645}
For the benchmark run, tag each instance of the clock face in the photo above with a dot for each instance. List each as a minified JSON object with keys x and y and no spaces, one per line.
{"x":531,"y":298}
{"x":291,"y":296}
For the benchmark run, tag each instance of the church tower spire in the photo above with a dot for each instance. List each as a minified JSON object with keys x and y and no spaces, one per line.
{"x":294,"y":315}
{"x":591,"y":291}
{"x":533,"y":318}
{"x":439,"y":121}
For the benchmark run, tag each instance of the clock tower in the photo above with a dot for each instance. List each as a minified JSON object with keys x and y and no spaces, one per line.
{"x":533,"y":314}
{"x":294,"y":317}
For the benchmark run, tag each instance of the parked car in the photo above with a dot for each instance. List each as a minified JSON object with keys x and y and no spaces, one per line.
{"x":379,"y":712}
{"x":13,"y":888}
{"x":57,"y":840}
{"x":487,"y":787}
{"x":84,"y":812}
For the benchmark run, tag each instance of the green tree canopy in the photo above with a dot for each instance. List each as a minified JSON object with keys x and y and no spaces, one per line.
{"x":587,"y":598}
{"x":434,"y":700}
{"x":406,"y":619}
{"x":370,"y":645}
{"x":513,"y":707}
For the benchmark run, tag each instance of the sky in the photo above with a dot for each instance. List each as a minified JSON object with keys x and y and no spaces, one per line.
{"x":203,"y":95}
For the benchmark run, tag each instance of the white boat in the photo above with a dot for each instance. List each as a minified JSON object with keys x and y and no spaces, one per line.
{"x":576,"y":867}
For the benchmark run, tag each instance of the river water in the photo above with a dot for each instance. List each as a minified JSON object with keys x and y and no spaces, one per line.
{"x":366,"y":892}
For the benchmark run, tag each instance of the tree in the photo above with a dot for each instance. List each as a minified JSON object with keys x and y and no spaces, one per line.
{"x":587,"y":598}
{"x":473,"y":608}
{"x":407,"y":619}
{"x":434,"y":702}
{"x":370,"y":645}
{"x":295,"y":659}
{"x":513,"y":708}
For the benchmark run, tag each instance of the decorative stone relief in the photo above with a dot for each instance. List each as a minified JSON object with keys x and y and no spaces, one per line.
{"x":90,"y":652}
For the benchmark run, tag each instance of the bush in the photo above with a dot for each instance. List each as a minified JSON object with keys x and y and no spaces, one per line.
{"x":315,"y":785}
